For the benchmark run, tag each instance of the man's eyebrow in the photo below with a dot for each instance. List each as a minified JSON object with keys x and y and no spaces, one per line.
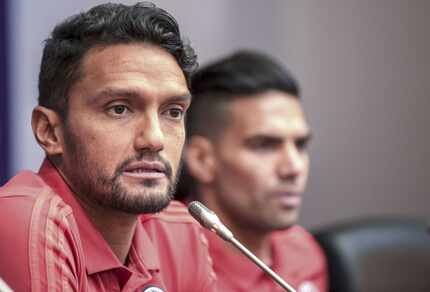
{"x":306,"y":136}
{"x":277,"y":139}
{"x":184,"y":97}
{"x":263,"y":137}
{"x":115,"y":92}
{"x":131,"y":93}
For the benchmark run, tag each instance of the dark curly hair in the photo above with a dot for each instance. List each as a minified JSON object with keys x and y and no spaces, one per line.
{"x":104,"y":25}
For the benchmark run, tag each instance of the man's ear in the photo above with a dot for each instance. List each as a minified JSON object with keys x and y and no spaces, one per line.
{"x":200,"y":159}
{"x":48,"y":130}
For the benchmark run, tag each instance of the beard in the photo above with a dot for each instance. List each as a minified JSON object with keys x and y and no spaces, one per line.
{"x":92,"y":184}
{"x":119,"y":198}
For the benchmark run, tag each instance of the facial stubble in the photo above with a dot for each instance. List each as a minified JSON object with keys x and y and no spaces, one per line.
{"x":90,"y":182}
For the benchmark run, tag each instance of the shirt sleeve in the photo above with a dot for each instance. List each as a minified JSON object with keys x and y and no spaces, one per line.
{"x":38,"y":245}
{"x":14,"y":226}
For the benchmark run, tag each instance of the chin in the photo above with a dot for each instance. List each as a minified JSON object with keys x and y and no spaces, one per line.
{"x":141,"y":200}
{"x":145,"y":205}
{"x":283,"y":226}
{"x":286,"y":222}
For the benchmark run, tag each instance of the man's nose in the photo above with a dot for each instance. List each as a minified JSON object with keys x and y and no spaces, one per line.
{"x":149,"y":136}
{"x":292,"y":162}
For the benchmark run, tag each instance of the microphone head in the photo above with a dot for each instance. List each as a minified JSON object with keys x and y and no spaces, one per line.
{"x":202,"y":214}
{"x":209,"y":219}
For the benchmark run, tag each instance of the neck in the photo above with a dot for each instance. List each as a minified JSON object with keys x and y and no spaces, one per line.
{"x":257,"y":241}
{"x":116,"y":227}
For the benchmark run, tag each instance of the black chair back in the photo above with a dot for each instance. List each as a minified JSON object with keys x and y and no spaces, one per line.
{"x":377,"y":255}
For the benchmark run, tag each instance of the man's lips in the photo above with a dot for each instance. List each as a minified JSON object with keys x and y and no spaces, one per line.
{"x":288,"y":199}
{"x":145,"y":170}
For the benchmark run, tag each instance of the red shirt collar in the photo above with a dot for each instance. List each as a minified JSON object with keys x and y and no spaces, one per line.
{"x":98,"y":254}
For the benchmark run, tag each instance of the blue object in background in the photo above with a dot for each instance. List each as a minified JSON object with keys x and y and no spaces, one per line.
{"x":4,"y":120}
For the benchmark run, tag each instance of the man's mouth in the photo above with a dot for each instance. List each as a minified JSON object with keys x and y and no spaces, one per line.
{"x":289,"y":200}
{"x":145,"y":170}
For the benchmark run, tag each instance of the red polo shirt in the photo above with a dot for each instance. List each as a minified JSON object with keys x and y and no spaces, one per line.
{"x":49,"y":244}
{"x":296,"y":257}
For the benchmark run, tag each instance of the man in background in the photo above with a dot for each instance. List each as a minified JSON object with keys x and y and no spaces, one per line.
{"x":113,"y":92}
{"x":247,"y":159}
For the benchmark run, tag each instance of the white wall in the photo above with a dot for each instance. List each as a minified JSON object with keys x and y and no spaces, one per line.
{"x":363,"y":66}
{"x":365,"y":70}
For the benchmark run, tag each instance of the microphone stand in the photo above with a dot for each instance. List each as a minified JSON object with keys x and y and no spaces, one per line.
{"x":262,"y":265}
{"x":210,"y":220}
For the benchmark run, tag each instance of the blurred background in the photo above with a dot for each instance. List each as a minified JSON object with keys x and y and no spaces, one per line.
{"x":363,"y":65}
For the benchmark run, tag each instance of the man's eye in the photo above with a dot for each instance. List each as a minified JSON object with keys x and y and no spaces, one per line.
{"x":263,"y":144}
{"x":118,"y":109}
{"x":302,"y":144}
{"x":175,"y":113}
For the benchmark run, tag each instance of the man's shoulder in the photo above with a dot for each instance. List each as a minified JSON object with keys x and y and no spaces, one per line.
{"x":24,"y":184}
{"x":35,"y":224}
{"x":29,"y":209}
{"x":298,"y":248}
{"x":298,"y":238}
{"x":28,"y":190}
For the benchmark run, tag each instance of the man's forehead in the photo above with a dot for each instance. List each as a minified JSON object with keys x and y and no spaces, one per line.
{"x":134,"y":57}
{"x":131,"y":68}
{"x":270,"y":111}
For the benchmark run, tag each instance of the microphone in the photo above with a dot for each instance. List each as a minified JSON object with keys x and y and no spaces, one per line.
{"x":210,"y":220}
{"x":4,"y":287}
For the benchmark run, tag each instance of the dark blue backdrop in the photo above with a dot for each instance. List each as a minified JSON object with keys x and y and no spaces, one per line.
{"x":4,"y":122}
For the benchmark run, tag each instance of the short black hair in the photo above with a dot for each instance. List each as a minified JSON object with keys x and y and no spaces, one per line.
{"x":103,"y":25}
{"x":242,"y":74}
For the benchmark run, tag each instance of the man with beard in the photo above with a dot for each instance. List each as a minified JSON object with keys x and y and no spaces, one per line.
{"x":113,"y":92}
{"x":246,"y":159}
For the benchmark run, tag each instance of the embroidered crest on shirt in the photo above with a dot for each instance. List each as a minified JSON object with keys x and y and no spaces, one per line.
{"x":308,"y":287}
{"x":152,"y":289}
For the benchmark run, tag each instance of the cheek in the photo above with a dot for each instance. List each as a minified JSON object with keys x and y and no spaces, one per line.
{"x":173,"y":146}
{"x":306,"y":164}
{"x":102,"y":149}
{"x":242,"y":174}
